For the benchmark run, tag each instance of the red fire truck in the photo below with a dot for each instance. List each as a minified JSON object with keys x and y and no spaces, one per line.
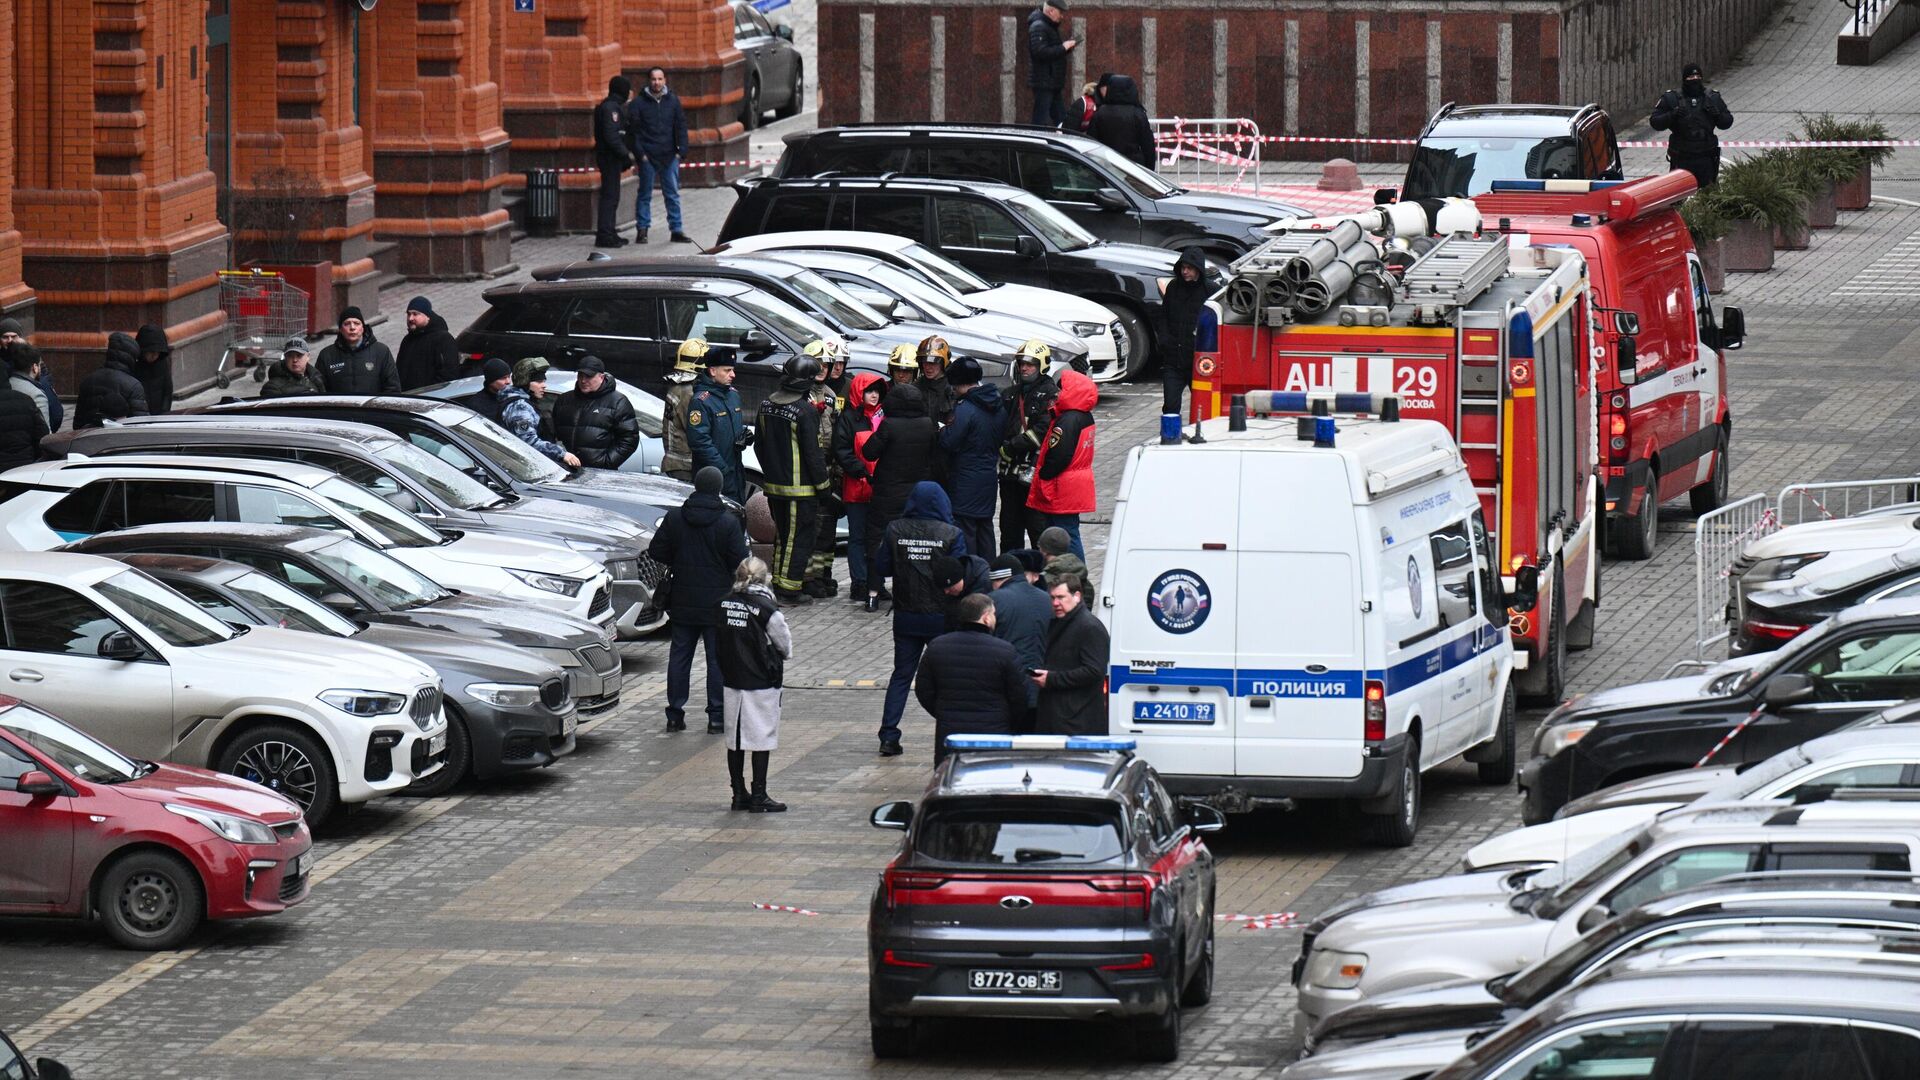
{"x":1490,"y":337}
{"x":1663,"y":375}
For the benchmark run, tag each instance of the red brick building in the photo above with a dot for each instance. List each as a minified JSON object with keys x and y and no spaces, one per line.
{"x":147,"y":144}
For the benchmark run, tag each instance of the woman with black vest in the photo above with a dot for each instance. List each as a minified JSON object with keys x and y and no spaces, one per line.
{"x":754,"y":646}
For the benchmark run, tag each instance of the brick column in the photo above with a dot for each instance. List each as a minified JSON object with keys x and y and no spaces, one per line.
{"x":301,"y":194}
{"x":115,"y":203}
{"x":558,"y":61}
{"x":431,"y":106}
{"x":693,"y":40}
{"x":16,"y":300}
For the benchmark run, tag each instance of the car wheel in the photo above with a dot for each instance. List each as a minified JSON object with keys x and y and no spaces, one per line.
{"x":750,"y":105}
{"x":459,"y":761}
{"x":1199,"y":988}
{"x":1500,"y":769}
{"x":894,"y":1040}
{"x":1635,"y":537}
{"x":797,"y":99}
{"x":151,"y":900}
{"x":1397,"y":827}
{"x":288,"y":761}
{"x":1157,"y":1038}
{"x":1132,"y":360}
{"x":1712,"y":495}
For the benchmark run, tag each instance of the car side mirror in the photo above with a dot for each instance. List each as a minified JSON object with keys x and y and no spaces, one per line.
{"x":120,"y":645}
{"x":755,"y":343}
{"x":1790,"y":688}
{"x":894,"y":815}
{"x":339,"y":601}
{"x":1110,"y":199}
{"x":1626,"y":323}
{"x":1028,"y":247}
{"x":1626,"y":360}
{"x":1593,"y":917}
{"x":783,"y":31}
{"x":402,"y":501}
{"x":1526,"y":589}
{"x":1205,"y":819}
{"x":1385,"y":195}
{"x":1733,"y":328}
{"x":38,"y":783}
{"x":49,"y":1069}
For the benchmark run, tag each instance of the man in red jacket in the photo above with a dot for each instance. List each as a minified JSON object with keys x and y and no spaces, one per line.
{"x":1063,"y":481}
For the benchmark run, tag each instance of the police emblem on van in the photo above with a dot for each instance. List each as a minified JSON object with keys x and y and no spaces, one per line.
{"x":1414,"y":596}
{"x":1178,"y":601}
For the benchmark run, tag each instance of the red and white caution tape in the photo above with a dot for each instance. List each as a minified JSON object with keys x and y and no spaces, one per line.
{"x":1260,"y":922}
{"x":694,"y":165}
{"x":1643,"y":144}
{"x":788,"y":909}
{"x":1722,"y":744}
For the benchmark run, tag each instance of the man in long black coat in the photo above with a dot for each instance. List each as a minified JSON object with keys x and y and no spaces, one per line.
{"x":971,"y":681}
{"x":613,"y":156}
{"x":1073,"y":687}
{"x":1047,"y":61}
{"x":901,"y":450}
{"x":702,"y":543}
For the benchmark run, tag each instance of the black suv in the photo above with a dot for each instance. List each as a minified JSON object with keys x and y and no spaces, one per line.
{"x":1464,"y":149}
{"x":1041,"y":882}
{"x":1113,"y":197}
{"x":999,"y":232}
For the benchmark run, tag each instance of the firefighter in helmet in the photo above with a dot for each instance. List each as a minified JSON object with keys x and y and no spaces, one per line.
{"x":901,"y":366}
{"x":828,"y":399}
{"x":677,"y":459}
{"x":934,"y":357}
{"x":1030,"y":401}
{"x":795,"y":470}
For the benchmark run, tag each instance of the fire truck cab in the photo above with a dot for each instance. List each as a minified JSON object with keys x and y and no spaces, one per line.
{"x":1665,"y":424}
{"x":1487,"y":334}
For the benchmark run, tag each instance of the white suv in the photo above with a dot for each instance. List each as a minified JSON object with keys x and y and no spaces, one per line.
{"x":52,"y":503}
{"x":140,"y":667}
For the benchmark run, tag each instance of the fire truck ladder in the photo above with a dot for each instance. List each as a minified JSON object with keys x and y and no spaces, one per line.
{"x":1458,"y":269}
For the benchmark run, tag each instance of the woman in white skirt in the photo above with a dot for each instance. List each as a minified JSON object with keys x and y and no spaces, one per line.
{"x":754,"y":646}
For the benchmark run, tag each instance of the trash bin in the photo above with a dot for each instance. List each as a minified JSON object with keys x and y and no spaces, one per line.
{"x":543,"y":201}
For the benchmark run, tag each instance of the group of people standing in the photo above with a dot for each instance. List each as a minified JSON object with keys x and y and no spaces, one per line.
{"x":1108,"y":109}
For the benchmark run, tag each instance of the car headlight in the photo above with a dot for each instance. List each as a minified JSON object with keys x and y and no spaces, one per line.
{"x":1085,"y":329}
{"x":565,"y":658}
{"x":1781,"y":567}
{"x":237,"y":829}
{"x":553,"y":583}
{"x":1556,"y":738}
{"x":1331,"y":969}
{"x":504,"y":695}
{"x":364,"y":702}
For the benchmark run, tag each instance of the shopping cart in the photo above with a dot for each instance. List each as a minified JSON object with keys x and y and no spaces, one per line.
{"x":263,"y":311}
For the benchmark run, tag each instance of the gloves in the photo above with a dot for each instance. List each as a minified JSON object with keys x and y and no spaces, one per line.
{"x":745,"y":440}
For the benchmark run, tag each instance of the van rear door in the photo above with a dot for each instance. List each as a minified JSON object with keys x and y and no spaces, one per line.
{"x":1301,"y":669}
{"x":1175,"y":609}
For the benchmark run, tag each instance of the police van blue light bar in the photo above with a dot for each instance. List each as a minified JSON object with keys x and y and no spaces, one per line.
{"x":1302,"y":401}
{"x":1037,"y":742}
{"x":1559,"y":187}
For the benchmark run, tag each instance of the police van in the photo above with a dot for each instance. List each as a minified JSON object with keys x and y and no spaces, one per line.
{"x":1306,"y":607}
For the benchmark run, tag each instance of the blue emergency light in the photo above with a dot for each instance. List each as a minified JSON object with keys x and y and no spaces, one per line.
{"x":1037,"y":742}
{"x":1558,"y":186}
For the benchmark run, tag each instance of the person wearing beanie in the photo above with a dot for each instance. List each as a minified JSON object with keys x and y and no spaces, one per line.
{"x":11,"y":331}
{"x":919,"y":551}
{"x":755,"y":645}
{"x":971,"y":444}
{"x":612,"y":154}
{"x":293,"y":375}
{"x":1056,"y":545}
{"x":1693,"y":113}
{"x":155,"y":369}
{"x":1032,"y":561}
{"x":23,"y":362}
{"x":520,"y":411}
{"x":355,"y":363}
{"x":701,"y":543}
{"x":495,"y":375}
{"x":23,"y":422}
{"x":1021,"y":613}
{"x":594,"y":419}
{"x":427,"y":354}
{"x":111,"y":392}
{"x":1063,"y":486}
{"x":971,"y":682}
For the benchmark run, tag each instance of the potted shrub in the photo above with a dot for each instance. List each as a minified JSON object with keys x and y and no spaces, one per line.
{"x":1789,"y":174}
{"x":1708,"y":227}
{"x":1754,"y":199}
{"x":1854,"y":190}
{"x":1826,"y":169}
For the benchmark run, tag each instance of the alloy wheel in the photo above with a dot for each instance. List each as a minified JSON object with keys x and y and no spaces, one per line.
{"x":280,"y":767}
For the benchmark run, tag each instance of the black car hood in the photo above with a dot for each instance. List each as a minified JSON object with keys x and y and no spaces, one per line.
{"x":501,"y":622}
{"x":1250,"y":207}
{"x":461,"y":658}
{"x":1136,"y":259}
{"x":645,"y":497}
{"x":1456,"y":1004}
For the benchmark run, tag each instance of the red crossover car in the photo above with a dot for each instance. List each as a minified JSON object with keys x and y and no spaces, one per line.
{"x":149,"y":849}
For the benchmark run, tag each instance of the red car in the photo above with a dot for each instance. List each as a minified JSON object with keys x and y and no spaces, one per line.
{"x":149,"y":849}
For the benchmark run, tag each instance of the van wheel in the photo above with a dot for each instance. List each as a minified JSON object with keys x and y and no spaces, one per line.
{"x":288,"y":761}
{"x":1158,"y":1038}
{"x":459,"y":762}
{"x":1396,"y":828}
{"x":1634,"y":538}
{"x":1500,"y":770}
{"x":1712,"y":495}
{"x":151,"y":900}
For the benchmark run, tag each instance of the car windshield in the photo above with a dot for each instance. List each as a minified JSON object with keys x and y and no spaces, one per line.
{"x":839,"y":304}
{"x":395,"y":528}
{"x":1058,"y":229}
{"x":1469,"y":166}
{"x":499,"y":446}
{"x":1138,"y":177}
{"x":74,"y":751}
{"x":448,"y":483}
{"x":287,"y":606}
{"x":796,"y":325}
{"x":391,"y":582}
{"x":169,"y":616}
{"x":1015,"y":833}
{"x":1564,"y":884}
{"x":944,"y":270}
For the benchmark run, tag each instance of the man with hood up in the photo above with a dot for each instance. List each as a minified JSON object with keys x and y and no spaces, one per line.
{"x":427,"y":354}
{"x":787,"y":431}
{"x":355,"y":363}
{"x":702,"y":543}
{"x":851,"y":430}
{"x":1063,"y":481}
{"x":910,"y":548}
{"x":155,"y":370}
{"x":1692,"y":113}
{"x":1028,"y":410}
{"x":901,"y":452}
{"x":972,"y":447}
{"x":1182,"y":297}
{"x":1122,"y":124}
{"x":112,"y":392}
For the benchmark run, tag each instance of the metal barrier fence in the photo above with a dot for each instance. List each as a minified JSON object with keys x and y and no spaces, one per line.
{"x":1844,"y":499}
{"x":1209,"y":152}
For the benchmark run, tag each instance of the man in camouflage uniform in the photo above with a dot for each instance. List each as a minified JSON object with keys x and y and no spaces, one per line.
{"x":677,"y":459}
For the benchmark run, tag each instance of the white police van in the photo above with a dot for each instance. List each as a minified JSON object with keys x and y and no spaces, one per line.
{"x":1305,"y":607}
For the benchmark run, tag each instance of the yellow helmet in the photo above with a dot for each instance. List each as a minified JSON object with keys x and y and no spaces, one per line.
{"x":1035,"y":350}
{"x":902,"y":357}
{"x":692,"y":351}
{"x":935,"y":347}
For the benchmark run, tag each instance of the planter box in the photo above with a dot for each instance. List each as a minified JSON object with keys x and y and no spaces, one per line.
{"x":1747,"y":248}
{"x":1713,"y":264}
{"x":1794,"y":239}
{"x":314,"y":279}
{"x":1856,"y":193}
{"x":1822,"y":207}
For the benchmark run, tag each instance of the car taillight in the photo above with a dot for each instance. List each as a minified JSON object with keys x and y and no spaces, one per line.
{"x":887,"y":957}
{"x":1617,"y":432}
{"x":1767,"y":631}
{"x":1376,"y":697}
{"x":1145,"y":963}
{"x":1126,"y":890}
{"x":898,"y":882}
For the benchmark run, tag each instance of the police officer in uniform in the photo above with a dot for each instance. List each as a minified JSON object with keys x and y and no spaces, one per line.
{"x":612,"y":155}
{"x":677,"y":456}
{"x":716,"y":424}
{"x":934,"y":357}
{"x":1029,"y":407}
{"x":795,"y":468}
{"x":1692,"y":113}
{"x":828,"y":397}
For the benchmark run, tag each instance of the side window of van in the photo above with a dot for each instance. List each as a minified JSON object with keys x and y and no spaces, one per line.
{"x":1702,"y":303}
{"x":1489,"y":593}
{"x":1453,"y":569}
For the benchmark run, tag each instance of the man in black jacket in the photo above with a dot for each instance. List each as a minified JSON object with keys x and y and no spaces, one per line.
{"x":594,"y":419}
{"x":355,"y":363}
{"x":495,"y":376}
{"x":702,"y":543}
{"x":21,"y":425}
{"x":155,"y":370}
{"x":1028,"y":411}
{"x":972,"y":447}
{"x":1073,"y":681}
{"x":1181,"y":298}
{"x":614,"y":157}
{"x":1021,"y":614}
{"x":111,"y":392}
{"x":1047,"y":61}
{"x":794,"y":468}
{"x":901,"y":450}
{"x":1122,"y":124}
{"x":657,"y":126}
{"x":1692,"y":113}
{"x":970,"y":681}
{"x":428,"y":354}
{"x":919,"y":553}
